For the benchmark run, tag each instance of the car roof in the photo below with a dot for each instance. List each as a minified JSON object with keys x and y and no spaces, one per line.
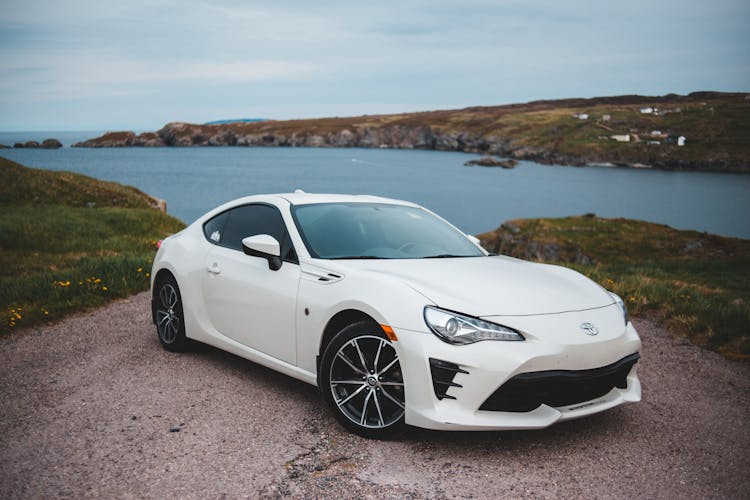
{"x":302,"y":198}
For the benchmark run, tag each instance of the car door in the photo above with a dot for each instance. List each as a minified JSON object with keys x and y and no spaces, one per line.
{"x":244,"y":299}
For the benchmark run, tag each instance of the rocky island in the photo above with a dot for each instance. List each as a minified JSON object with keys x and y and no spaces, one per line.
{"x":699,"y":131}
{"x":488,"y":161}
{"x":45,"y":144}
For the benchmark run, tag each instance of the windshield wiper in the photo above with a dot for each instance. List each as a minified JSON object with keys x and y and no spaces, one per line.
{"x":347,"y":257}
{"x":444,"y":256}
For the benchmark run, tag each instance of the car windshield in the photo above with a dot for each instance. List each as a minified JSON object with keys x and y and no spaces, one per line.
{"x":378,"y":231}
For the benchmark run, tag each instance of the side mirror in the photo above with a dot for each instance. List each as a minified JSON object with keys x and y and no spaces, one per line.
{"x":264,"y":246}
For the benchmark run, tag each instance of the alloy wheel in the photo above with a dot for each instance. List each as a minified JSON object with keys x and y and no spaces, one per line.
{"x":366,"y":382}
{"x":167,"y":316}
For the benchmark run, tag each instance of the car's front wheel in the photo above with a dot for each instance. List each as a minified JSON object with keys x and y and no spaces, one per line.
{"x":360,"y":378}
{"x":170,"y":323}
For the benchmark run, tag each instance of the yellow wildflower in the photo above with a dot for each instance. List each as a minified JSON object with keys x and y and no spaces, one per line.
{"x":140,"y":269}
{"x":104,"y":288}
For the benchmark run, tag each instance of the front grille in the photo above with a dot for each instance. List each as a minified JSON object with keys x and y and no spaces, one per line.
{"x":556,"y":388}
{"x":443,"y":373}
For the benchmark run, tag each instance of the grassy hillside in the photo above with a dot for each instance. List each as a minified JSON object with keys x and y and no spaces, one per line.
{"x":715,"y":124}
{"x":69,"y":242}
{"x":696,"y":283}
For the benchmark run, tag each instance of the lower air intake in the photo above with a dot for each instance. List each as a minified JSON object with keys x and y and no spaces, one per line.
{"x":556,"y":388}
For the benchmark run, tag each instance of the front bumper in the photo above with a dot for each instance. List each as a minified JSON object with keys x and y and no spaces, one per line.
{"x":486,"y":366}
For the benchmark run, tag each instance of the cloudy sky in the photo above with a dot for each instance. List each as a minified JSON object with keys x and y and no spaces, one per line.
{"x":94,"y":65}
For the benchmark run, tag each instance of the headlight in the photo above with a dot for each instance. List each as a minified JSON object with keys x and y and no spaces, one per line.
{"x":622,"y":306}
{"x":456,"y":328}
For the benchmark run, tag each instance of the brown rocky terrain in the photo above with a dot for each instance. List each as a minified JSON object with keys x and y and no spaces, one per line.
{"x":566,"y":132}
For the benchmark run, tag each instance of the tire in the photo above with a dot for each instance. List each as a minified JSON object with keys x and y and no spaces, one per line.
{"x":168,"y":312}
{"x":361,"y":381}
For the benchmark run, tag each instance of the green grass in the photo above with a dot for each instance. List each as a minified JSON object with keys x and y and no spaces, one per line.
{"x":697,"y":284}
{"x":69,"y":242}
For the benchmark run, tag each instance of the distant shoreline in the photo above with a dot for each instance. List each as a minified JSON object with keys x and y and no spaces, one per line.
{"x":703,"y":131}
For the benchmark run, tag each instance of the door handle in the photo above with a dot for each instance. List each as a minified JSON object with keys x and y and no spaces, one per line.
{"x":214,"y":268}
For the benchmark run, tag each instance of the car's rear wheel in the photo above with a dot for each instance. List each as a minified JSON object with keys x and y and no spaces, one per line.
{"x":170,"y":322}
{"x":361,"y":380}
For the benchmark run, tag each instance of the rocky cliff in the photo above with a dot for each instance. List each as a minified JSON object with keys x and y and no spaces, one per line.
{"x":550,"y":132}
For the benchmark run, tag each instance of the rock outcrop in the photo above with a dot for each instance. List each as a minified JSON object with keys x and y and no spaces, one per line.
{"x":51,"y":144}
{"x":178,"y":134}
{"x":488,"y":161}
{"x":122,"y":139}
{"x":46,"y":144}
{"x":396,"y":136}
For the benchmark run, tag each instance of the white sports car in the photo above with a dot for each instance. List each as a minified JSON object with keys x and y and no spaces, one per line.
{"x":396,"y":315}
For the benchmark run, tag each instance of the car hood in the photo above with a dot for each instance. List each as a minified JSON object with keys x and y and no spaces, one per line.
{"x":493,"y":286}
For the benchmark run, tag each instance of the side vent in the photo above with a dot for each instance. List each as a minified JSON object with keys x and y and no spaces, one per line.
{"x":320,"y":275}
{"x":443,"y":373}
{"x":329,"y":277}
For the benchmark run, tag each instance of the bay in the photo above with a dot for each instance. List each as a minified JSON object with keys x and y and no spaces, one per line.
{"x":476,"y":199}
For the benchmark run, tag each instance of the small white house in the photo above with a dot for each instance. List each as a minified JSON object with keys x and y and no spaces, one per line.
{"x":621,"y":137}
{"x":681,"y":140}
{"x":582,"y":116}
{"x":606,"y":118}
{"x":656,"y":133}
{"x":647,"y":111}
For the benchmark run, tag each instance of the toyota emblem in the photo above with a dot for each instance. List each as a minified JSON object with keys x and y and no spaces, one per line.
{"x":589,"y":329}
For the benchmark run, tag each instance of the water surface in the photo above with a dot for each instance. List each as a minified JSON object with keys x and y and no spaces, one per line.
{"x":476,"y":199}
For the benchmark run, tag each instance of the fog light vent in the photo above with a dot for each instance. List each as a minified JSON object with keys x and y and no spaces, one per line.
{"x":443,"y":373}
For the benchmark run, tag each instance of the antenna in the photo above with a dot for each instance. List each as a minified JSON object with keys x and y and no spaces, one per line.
{"x":299,"y":191}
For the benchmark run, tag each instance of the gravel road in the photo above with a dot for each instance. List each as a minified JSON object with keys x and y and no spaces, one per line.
{"x":88,"y":405}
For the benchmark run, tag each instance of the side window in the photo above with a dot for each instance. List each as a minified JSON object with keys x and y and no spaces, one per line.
{"x":214,"y":228}
{"x":249,"y":220}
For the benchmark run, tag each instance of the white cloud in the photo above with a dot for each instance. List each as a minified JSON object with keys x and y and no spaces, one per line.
{"x":100,"y":74}
{"x":297,"y":58}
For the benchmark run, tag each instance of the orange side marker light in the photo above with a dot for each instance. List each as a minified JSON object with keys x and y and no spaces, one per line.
{"x":389,"y":332}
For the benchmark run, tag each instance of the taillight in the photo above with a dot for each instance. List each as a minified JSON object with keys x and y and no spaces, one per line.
{"x":158,"y":244}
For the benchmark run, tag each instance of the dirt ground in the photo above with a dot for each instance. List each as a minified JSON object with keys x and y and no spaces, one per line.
{"x":93,"y":407}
